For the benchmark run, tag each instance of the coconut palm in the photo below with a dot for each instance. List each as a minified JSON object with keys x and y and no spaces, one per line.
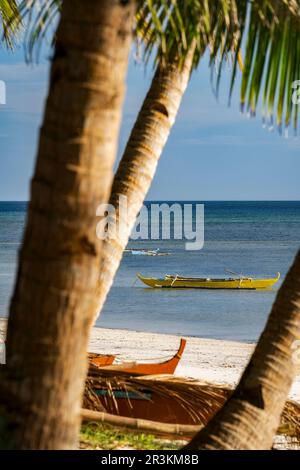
{"x":54,"y":299}
{"x":251,"y":416}
{"x":139,"y":161}
{"x":55,"y":296}
{"x":224,"y":34}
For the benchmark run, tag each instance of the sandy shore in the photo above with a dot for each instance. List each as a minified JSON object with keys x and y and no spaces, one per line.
{"x":216,"y":361}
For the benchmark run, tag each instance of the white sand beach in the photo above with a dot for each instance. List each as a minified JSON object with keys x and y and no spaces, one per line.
{"x":212,"y":360}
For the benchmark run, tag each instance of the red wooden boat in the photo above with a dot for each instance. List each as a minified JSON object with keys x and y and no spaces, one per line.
{"x":101,"y":360}
{"x":136,"y":368}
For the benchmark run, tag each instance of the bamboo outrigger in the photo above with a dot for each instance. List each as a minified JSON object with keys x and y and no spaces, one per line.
{"x":136,"y":368}
{"x":170,"y":281}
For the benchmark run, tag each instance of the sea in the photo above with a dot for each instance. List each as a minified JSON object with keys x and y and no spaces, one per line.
{"x":256,"y":238}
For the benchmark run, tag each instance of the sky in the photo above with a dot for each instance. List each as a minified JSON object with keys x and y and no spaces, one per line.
{"x":213,"y":153}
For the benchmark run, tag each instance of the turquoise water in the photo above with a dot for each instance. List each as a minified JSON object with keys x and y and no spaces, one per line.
{"x":253,"y":238}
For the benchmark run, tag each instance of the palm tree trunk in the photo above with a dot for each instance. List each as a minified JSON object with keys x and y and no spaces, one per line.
{"x":138,"y":164}
{"x":250,"y":418}
{"x":54,"y":303}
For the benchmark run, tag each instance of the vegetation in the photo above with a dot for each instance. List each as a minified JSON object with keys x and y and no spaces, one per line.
{"x":99,"y":436}
{"x":10,"y":21}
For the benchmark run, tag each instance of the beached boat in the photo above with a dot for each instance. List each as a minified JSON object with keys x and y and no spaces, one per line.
{"x":177,"y":281}
{"x":166,"y":399}
{"x":136,"y":368}
{"x":101,"y":360}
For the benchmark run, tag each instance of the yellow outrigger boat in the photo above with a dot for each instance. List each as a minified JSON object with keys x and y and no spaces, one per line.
{"x":170,"y":281}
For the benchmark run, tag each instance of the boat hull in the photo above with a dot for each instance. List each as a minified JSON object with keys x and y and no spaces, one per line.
{"x":190,"y":283}
{"x":135,"y":368}
{"x":163,"y":399}
{"x":101,"y":360}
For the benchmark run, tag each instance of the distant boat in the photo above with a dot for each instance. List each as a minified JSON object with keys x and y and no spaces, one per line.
{"x":144,"y":252}
{"x":242,"y":282}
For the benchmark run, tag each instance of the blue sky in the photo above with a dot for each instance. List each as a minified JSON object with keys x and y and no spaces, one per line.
{"x":213,"y":153}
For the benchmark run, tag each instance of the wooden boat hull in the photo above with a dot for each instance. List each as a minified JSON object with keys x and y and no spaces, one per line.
{"x":156,"y":398}
{"x":145,"y":405}
{"x":135,"y":368}
{"x":198,"y":283}
{"x":101,"y":360}
{"x":167,"y":399}
{"x":166,"y":367}
{"x":170,"y":400}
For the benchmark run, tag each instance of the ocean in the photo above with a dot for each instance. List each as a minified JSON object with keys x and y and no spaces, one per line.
{"x":252,"y":238}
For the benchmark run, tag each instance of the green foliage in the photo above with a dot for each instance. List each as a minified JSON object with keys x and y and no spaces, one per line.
{"x":95,"y":435}
{"x":10,"y":21}
{"x":165,"y":29}
{"x":272,"y":59}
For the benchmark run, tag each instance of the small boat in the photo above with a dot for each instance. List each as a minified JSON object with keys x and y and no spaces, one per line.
{"x":144,"y":252}
{"x":101,"y":360}
{"x":136,"y":368}
{"x":177,"y":281}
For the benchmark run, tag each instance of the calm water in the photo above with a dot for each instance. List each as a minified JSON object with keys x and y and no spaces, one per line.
{"x":255,"y":238}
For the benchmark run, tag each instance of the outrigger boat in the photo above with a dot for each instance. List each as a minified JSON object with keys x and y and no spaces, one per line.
{"x":144,"y":252}
{"x":136,"y":368}
{"x":177,"y":281}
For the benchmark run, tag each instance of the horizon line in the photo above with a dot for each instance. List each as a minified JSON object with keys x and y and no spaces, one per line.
{"x":182,"y":200}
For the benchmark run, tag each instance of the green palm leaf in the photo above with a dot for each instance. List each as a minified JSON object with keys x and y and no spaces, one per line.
{"x":272,"y":61}
{"x":10,"y":21}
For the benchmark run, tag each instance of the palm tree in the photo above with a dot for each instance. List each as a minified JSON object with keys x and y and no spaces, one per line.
{"x":54,"y":299}
{"x":224,"y":36}
{"x":250,"y":418}
{"x":138,"y":164}
{"x":156,"y":116}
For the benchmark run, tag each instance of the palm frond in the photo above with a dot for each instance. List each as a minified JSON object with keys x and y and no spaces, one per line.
{"x":38,"y":17}
{"x":167,"y":28}
{"x":271,"y":30}
{"x":10,"y":21}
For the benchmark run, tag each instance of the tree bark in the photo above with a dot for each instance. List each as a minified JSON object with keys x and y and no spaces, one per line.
{"x":138,"y":164}
{"x":251,"y":416}
{"x":54,"y":300}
